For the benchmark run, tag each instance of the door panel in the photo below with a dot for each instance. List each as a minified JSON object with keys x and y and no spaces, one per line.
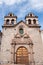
{"x":22,"y":56}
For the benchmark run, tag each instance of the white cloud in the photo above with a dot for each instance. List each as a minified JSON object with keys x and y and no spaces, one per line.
{"x":33,"y":5}
{"x":11,"y":2}
{"x":0,"y":2}
{"x":28,"y":6}
{"x":36,"y":4}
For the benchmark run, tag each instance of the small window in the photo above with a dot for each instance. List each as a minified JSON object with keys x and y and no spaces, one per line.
{"x":31,"y":14}
{"x":21,"y":31}
{"x":10,"y":14}
{"x":7,"y":21}
{"x":34,"y":21}
{"x":12,"y":21}
{"x":29,"y":21}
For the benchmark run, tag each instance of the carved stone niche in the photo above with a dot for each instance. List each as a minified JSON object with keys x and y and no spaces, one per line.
{"x":26,"y":35}
{"x":17,"y":36}
{"x":30,"y":44}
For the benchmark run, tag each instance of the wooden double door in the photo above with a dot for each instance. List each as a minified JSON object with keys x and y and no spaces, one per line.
{"x":22,"y":56}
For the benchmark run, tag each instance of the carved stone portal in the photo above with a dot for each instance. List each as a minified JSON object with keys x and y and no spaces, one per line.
{"x":22,"y":55}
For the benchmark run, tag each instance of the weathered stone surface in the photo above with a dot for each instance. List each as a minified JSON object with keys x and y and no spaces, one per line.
{"x":31,"y":39}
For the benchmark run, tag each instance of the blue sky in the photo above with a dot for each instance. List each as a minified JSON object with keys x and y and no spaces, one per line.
{"x":21,"y":8}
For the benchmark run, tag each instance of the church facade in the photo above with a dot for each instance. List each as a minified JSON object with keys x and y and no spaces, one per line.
{"x":22,"y":42}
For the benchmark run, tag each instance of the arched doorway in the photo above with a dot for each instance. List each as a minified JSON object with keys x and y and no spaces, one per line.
{"x":22,"y":55}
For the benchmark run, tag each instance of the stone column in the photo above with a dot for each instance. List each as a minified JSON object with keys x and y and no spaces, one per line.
{"x":31,"y":21}
{"x":31,"y":54}
{"x":13,"y":53}
{"x":15,"y":58}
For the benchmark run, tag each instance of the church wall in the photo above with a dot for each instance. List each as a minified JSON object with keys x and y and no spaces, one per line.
{"x":0,"y":48}
{"x":42,"y":35}
{"x":9,"y":42}
{"x":8,"y":35}
{"x":35,"y":35}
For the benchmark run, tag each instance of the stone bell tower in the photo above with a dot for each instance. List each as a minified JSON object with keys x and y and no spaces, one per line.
{"x":31,"y":19}
{"x":10,"y":19}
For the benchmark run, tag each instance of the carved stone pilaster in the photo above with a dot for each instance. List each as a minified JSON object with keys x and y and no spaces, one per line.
{"x":31,"y":54}
{"x":13,"y":51}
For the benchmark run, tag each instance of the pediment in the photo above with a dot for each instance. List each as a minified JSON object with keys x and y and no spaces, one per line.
{"x":21,"y":23}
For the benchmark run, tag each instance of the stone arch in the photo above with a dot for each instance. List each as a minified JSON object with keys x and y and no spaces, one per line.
{"x":12,"y":21}
{"x":7,"y":21}
{"x":34,"y":21}
{"x":29,"y":21}
{"x":21,"y":47}
{"x":22,"y":55}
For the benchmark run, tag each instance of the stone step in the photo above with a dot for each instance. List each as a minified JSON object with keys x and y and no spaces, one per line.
{"x":12,"y":64}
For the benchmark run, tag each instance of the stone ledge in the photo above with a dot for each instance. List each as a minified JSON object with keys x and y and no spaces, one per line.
{"x":12,"y":64}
